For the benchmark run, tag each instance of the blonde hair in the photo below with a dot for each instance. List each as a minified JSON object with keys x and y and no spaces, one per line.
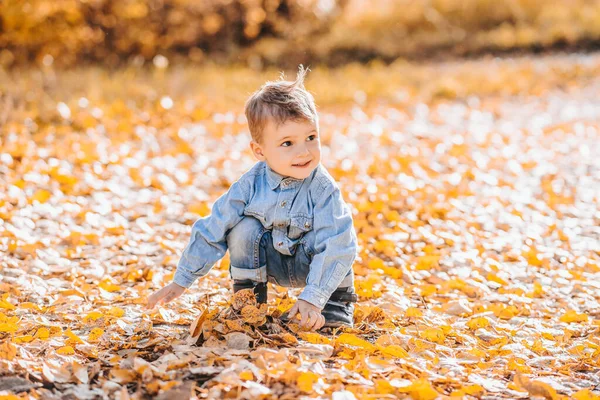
{"x":281,"y":101}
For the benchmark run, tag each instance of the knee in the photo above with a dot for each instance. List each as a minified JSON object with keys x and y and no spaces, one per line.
{"x":243,"y":237}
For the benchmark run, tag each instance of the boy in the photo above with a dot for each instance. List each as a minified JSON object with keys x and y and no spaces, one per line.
{"x":284,"y":221}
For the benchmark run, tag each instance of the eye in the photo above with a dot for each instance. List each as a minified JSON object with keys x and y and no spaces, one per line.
{"x":311,"y":137}
{"x":287,"y":143}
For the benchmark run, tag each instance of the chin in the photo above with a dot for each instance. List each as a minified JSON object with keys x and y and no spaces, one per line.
{"x":301,"y":174}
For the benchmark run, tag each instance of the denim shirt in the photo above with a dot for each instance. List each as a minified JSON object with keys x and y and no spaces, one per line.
{"x":290,"y":208}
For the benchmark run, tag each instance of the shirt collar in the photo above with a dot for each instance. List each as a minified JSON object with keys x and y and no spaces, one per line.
{"x":274,"y":179}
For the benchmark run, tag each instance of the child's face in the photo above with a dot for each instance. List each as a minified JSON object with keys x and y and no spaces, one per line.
{"x":291,"y":149}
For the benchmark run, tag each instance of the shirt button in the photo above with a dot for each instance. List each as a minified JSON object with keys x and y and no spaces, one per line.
{"x":307,"y":224}
{"x":280,"y":244}
{"x":283,"y":203}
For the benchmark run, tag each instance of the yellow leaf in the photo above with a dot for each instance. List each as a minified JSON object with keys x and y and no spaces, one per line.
{"x":413,"y":312}
{"x":23,"y":339}
{"x":95,"y":334}
{"x":42,"y":333}
{"x":518,"y":364}
{"x":433,"y":334}
{"x":10,"y":397}
{"x":116,"y":312}
{"x":94,"y":315}
{"x":66,"y":351}
{"x":383,"y":387}
{"x":427,"y":262}
{"x":41,"y":195}
{"x":352,"y":340}
{"x":5,"y":304}
{"x":246,"y":375}
{"x":30,"y":306}
{"x":573,"y":316}
{"x":479,"y":322}
{"x":495,"y":278}
{"x":107,"y":285}
{"x":7,"y":351}
{"x":202,"y":209}
{"x":393,"y":350}
{"x":306,"y":380}
{"x":420,"y":390}
{"x":8,"y":327}
{"x":73,"y":338}
{"x":473,"y":390}
{"x":585,"y":394}
{"x":314,"y":338}
{"x":536,"y":388}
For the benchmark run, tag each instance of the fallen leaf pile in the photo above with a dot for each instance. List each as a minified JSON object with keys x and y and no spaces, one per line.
{"x":475,"y":198}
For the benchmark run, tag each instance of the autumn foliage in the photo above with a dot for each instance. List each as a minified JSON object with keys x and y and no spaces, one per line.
{"x":284,"y":32}
{"x":474,"y":189}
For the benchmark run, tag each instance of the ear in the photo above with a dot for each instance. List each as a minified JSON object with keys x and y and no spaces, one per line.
{"x":257,"y":150}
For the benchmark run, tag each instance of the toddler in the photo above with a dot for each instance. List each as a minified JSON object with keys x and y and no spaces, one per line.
{"x":284,"y":221}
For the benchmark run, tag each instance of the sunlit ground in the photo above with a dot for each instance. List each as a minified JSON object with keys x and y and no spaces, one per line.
{"x":475,"y":189}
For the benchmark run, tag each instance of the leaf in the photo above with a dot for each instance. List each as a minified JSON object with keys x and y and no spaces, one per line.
{"x":434,"y":335}
{"x":478,"y":322}
{"x":95,"y":335}
{"x":109,"y":286}
{"x":585,"y":394}
{"x":352,"y":340}
{"x":238,"y":341}
{"x":93,"y":316}
{"x":314,"y":338}
{"x":413,"y":312}
{"x":393,"y":350}
{"x":536,"y":388}
{"x":73,"y":338}
{"x":116,"y":312}
{"x":420,"y":389}
{"x":41,"y":196}
{"x":427,"y":262}
{"x":306,"y":380}
{"x":573,"y":316}
{"x":66,"y":351}
{"x":7,"y":351}
{"x":242,"y":298}
{"x":42,"y":333}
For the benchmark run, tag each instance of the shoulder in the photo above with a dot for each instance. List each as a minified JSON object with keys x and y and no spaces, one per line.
{"x":248,"y":178}
{"x":323,"y":183}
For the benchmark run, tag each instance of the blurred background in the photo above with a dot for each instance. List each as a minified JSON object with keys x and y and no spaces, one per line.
{"x":284,"y":33}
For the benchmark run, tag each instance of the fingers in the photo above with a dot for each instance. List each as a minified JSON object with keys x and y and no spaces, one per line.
{"x":152,"y":300}
{"x":314,"y":320}
{"x":304,"y":319}
{"x":293,"y":311}
{"x":319,"y":321}
{"x":162,"y":296}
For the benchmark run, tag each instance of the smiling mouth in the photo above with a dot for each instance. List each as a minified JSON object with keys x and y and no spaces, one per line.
{"x":302,"y":165}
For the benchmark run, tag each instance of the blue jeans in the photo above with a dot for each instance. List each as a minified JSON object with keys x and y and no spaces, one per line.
{"x":253,"y":256}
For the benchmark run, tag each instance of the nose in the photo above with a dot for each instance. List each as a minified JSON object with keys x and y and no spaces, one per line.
{"x":303,"y":150}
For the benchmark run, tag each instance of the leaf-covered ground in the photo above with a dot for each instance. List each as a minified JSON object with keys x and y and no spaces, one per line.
{"x":475,"y":189}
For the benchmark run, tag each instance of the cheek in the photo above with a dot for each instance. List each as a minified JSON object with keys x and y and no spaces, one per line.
{"x":315,"y":147}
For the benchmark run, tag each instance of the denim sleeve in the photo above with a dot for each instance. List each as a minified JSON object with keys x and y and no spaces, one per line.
{"x":208,"y":239}
{"x":335,"y":247}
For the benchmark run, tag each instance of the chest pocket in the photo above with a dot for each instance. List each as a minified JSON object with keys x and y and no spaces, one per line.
{"x":299,"y":225}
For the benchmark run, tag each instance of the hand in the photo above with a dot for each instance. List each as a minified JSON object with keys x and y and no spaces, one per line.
{"x":311,"y":317}
{"x":165,"y":295}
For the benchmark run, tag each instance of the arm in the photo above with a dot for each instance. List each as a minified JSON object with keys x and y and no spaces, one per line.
{"x":208,"y":239}
{"x":335,"y":247}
